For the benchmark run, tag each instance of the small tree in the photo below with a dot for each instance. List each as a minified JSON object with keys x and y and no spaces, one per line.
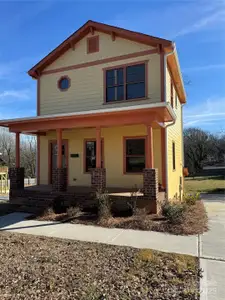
{"x":197,"y":147}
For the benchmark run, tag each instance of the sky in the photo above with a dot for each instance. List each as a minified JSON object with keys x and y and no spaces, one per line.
{"x":31,"y":29}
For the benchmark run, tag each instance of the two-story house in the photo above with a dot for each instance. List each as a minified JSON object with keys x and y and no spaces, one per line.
{"x":111,"y":100}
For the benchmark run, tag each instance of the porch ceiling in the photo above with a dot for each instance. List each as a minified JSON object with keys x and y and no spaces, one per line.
{"x":139,"y":114}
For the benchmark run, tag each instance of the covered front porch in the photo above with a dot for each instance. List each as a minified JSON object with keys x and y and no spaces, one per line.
{"x":128,"y":152}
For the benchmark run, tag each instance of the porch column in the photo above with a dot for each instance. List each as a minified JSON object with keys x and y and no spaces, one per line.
{"x":163,"y":156}
{"x":17,"y":149}
{"x":59,"y":147}
{"x":16,"y":174}
{"x":98,"y":175}
{"x":150,"y":175}
{"x":149,"y":148}
{"x":59,"y":176}
{"x":98,"y":148}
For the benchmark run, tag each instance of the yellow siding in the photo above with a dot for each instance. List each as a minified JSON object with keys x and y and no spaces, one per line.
{"x":113,"y":155}
{"x":174,"y":134}
{"x":86,"y":91}
{"x":108,"y":48}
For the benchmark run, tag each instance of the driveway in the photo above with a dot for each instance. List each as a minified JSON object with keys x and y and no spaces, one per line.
{"x":212,"y":249}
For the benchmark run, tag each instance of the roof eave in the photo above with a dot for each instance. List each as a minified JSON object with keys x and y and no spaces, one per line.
{"x":82,"y":31}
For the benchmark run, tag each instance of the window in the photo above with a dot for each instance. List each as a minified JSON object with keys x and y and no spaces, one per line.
{"x":176,"y":98}
{"x":90,"y":155}
{"x":64,"y":83}
{"x":174,"y":156}
{"x":93,"y":44}
{"x":126,"y":83}
{"x":134,"y":155}
{"x":171,"y":91}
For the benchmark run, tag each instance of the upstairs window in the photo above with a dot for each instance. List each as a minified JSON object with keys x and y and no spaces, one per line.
{"x":126,"y":83}
{"x":176,"y":99}
{"x":171,"y":92}
{"x":93,"y":44}
{"x":64,"y":83}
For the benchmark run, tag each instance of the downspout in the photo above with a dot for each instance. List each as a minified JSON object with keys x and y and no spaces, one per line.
{"x":172,"y":123}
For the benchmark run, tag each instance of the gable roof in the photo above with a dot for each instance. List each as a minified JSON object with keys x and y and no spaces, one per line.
{"x":90,"y":26}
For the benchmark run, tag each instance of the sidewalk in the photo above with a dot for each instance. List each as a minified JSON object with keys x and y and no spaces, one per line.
{"x":139,"y":239}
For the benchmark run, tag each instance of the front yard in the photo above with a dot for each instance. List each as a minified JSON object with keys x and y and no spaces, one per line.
{"x":47,"y":268}
{"x":207,"y":184}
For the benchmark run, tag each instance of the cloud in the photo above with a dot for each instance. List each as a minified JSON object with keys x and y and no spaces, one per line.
{"x":19,"y":113}
{"x":212,"y":19}
{"x":204,"y":68}
{"x":209,"y":112}
{"x":9,"y":70}
{"x":15,"y":94}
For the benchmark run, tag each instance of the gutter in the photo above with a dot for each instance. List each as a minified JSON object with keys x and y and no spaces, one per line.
{"x":170,"y":124}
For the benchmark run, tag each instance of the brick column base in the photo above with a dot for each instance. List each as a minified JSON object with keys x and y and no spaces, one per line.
{"x":59,"y":179}
{"x":16,"y":176}
{"x":98,"y":179}
{"x":150,"y":188}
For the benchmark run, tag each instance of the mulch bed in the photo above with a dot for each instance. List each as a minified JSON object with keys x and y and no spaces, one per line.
{"x":195,"y":221}
{"x":49,"y":268}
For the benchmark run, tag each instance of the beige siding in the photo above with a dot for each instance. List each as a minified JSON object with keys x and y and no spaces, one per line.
{"x":113,"y":155}
{"x":108,"y":48}
{"x":86,"y":91}
{"x":168,"y":89}
{"x":174,"y":134}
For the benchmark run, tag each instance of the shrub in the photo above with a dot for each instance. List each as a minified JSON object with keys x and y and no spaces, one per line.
{"x":104,"y":205}
{"x":58,"y":205}
{"x":73,"y":211}
{"x":133,"y":203}
{"x":191,"y":199}
{"x":174,"y":212}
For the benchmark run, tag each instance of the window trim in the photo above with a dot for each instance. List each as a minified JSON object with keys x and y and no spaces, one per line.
{"x":125,"y":138}
{"x":95,"y":37}
{"x":124,"y":67}
{"x":84,"y":153}
{"x":174,"y":156}
{"x":60,"y":79}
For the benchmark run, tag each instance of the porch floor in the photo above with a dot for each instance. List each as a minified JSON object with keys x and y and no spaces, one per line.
{"x":113,"y":191}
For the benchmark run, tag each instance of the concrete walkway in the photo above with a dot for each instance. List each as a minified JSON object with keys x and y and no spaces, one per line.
{"x":210,"y":247}
{"x":139,"y":239}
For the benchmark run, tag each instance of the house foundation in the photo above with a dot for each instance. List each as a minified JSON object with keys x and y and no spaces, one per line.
{"x":16,"y":176}
{"x":59,"y":180}
{"x":98,"y":179}
{"x":151,"y":189}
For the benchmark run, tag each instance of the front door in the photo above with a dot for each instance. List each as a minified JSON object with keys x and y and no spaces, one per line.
{"x":54,"y":151}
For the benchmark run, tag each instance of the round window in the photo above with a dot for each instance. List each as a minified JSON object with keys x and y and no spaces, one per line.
{"x":64,"y":83}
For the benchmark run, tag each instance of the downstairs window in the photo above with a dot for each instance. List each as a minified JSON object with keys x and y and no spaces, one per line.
{"x":134,"y":159}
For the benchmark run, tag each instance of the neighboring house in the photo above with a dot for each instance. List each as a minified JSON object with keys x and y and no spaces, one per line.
{"x":112,"y":100}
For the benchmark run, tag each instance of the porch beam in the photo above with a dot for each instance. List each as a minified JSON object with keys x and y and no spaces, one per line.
{"x":149,"y":148}
{"x":17,"y":149}
{"x":128,"y":118}
{"x":59,"y":148}
{"x":98,"y":147}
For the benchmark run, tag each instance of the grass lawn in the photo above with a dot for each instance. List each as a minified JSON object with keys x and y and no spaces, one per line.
{"x":213,"y":184}
{"x":49,"y":268}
